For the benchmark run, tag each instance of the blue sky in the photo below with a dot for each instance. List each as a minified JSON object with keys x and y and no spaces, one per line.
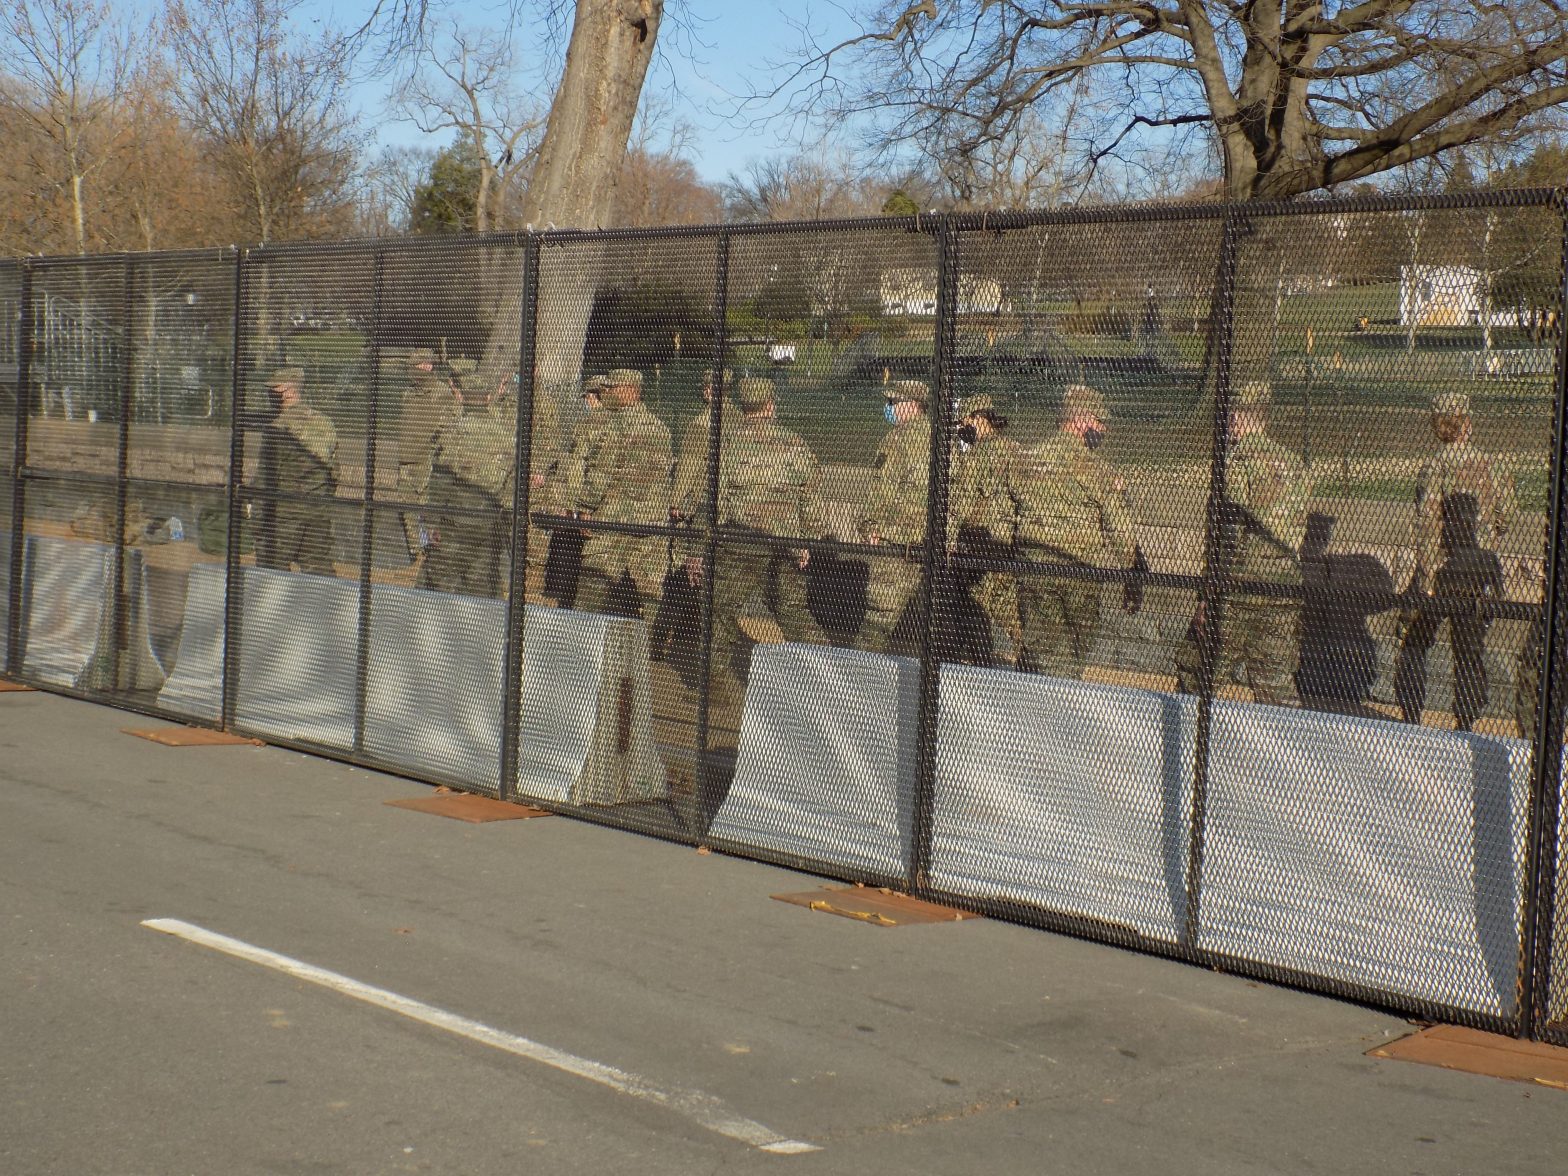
{"x":710,"y":50}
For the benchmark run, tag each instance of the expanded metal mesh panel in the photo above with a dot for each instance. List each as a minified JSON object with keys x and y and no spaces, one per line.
{"x":181,"y":335}
{"x":1379,"y":854}
{"x":1070,"y":796}
{"x":640,"y":312}
{"x":10,"y":356}
{"x":1245,"y":511}
{"x":825,"y":768}
{"x":297,"y":682}
{"x":443,"y":344}
{"x":586,"y":732}
{"x":78,"y":389}
{"x":1390,"y":434}
{"x":1079,"y":464}
{"x":1557,"y":968}
{"x":77,"y":366}
{"x":305,"y":406}
{"x":1410,"y":360}
{"x":821,"y":504}
{"x":180,"y":322}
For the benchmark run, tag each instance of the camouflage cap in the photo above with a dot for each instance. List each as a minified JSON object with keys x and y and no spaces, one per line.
{"x":420,"y":355}
{"x":286,"y":375}
{"x":1081,"y":400}
{"x":970,"y":405}
{"x":1252,"y":394}
{"x":1451,"y":404}
{"x":592,"y":386}
{"x":917,"y":390}
{"x":753,"y":393}
{"x":623,"y":378}
{"x":462,"y":367}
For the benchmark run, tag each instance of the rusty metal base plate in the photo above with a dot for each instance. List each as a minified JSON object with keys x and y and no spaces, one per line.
{"x":7,"y":687}
{"x":1474,"y":1052}
{"x":880,"y":908}
{"x":193,"y":737}
{"x":465,"y":806}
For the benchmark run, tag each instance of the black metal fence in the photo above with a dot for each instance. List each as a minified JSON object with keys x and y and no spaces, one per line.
{"x":1218,"y":628}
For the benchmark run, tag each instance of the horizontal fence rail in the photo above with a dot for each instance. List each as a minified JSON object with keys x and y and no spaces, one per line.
{"x":1185,"y":577}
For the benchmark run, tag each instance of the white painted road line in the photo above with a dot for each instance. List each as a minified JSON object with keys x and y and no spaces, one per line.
{"x":703,"y":1109}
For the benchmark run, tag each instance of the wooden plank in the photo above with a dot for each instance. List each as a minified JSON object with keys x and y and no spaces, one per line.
{"x":1453,"y":1047}
{"x":8,"y":687}
{"x":878,"y":907}
{"x":192,"y":737}
{"x":465,"y":806}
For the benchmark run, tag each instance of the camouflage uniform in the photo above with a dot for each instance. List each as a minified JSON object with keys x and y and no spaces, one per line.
{"x":1451,"y":566}
{"x":896,"y":511}
{"x":429,"y":406}
{"x":1268,"y":486}
{"x":692,"y":461}
{"x":1073,"y":510}
{"x":470,"y":497}
{"x":983,"y":504}
{"x":563,"y":496}
{"x":769,"y":484}
{"x":298,"y":456}
{"x":544,"y":465}
{"x":625,"y":479}
{"x":589,"y":434}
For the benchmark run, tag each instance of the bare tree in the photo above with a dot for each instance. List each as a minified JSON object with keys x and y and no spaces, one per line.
{"x":1294,"y":95}
{"x":573,"y":183}
{"x":388,"y":187}
{"x":67,"y":62}
{"x":591,"y":115}
{"x":802,"y":187}
{"x":463,"y":81}
{"x":272,"y":110}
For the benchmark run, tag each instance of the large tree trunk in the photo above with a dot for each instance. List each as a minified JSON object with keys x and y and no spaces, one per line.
{"x":574,"y":180}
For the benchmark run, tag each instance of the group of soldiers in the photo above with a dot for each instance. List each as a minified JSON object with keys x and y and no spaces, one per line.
{"x":1061,"y":505}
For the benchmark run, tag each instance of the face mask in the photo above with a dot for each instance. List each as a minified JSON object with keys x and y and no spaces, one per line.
{"x":1092,"y":438}
{"x":888,"y":415}
{"x":967,"y":435}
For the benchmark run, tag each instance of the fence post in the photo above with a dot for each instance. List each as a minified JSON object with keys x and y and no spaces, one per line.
{"x":517,"y":596}
{"x":1211,"y":600}
{"x":233,"y":583}
{"x":24,"y":403}
{"x":122,"y":469}
{"x":933,"y":556}
{"x":367,"y":532}
{"x":707,"y":800}
{"x":1541,"y":861}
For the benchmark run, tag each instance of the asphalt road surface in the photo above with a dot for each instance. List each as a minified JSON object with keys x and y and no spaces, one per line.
{"x":589,"y":1001}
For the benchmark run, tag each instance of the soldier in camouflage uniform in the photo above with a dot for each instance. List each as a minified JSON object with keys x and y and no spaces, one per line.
{"x":563,"y":563}
{"x":895,"y":514}
{"x":691,"y":463}
{"x":770,"y":483}
{"x":298,"y":456}
{"x":430,"y":404}
{"x":1072,"y":509}
{"x":1448,"y":563}
{"x":589,"y":433}
{"x":470,"y":495}
{"x":984,"y":502}
{"x":625,"y":479}
{"x":1265,"y":518}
